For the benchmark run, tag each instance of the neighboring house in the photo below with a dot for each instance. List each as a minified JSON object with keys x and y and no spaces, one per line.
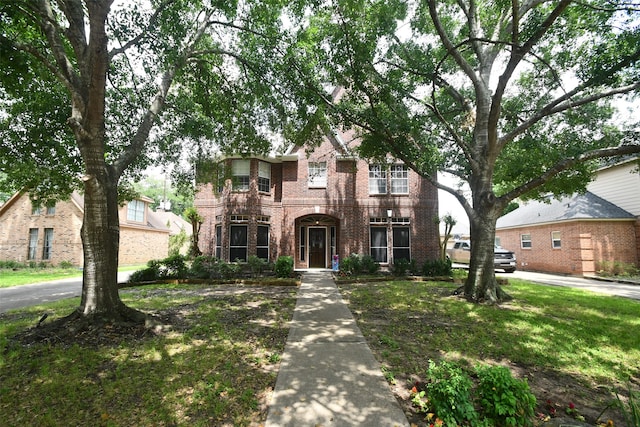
{"x":580,"y":234}
{"x":317,"y":205}
{"x":51,"y":234}
{"x":176,"y":225}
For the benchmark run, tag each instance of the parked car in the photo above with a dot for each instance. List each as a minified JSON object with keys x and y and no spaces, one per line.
{"x":502,"y":259}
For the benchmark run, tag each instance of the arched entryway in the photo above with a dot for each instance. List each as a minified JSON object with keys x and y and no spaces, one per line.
{"x":317,"y":240}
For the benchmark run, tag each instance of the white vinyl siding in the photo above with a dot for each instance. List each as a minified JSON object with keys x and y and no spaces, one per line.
{"x":619,"y":185}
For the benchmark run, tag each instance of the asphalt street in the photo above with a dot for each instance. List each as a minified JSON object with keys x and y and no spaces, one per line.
{"x":37,"y":293}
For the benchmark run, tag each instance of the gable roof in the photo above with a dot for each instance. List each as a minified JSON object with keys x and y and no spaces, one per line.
{"x":586,"y":206}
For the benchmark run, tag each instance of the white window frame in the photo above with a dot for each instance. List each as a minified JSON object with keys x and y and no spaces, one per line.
{"x":399,"y":179}
{"x":246,"y":243}
{"x":377,"y":179}
{"x":48,"y":244}
{"x":135,"y":211}
{"x":241,"y":173}
{"x":556,"y":242}
{"x":317,"y":174}
{"x":385,"y":247}
{"x":525,"y":241}
{"x":264,"y":177}
{"x":394,"y":247}
{"x":33,"y":244}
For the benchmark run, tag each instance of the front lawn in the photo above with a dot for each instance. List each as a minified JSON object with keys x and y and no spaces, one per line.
{"x":216,"y":364}
{"x":572,"y":346}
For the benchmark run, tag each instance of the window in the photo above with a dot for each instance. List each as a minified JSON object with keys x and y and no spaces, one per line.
{"x":135,"y":211}
{"x":379,"y":244}
{"x":33,"y":243}
{"x":262,"y":242}
{"x":240,"y":172}
{"x":525,"y":241}
{"x":264,"y":177}
{"x":399,"y":179}
{"x":36,"y":209}
{"x":219,"y":241}
{"x":556,"y":241}
{"x":377,"y":179}
{"x":238,"y":244}
{"x":48,"y":242}
{"x":401,"y":248}
{"x":51,"y":209}
{"x":302,"y":243}
{"x":317,"y":174}
{"x":221,"y":176}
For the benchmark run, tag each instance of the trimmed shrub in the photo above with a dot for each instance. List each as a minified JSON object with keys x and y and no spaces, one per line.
{"x":437,"y":267}
{"x":400,"y":267}
{"x":284,"y":266}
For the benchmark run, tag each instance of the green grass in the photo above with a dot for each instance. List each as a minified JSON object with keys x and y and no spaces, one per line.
{"x":214,"y":367}
{"x":569,"y":338}
{"x":23,"y":276}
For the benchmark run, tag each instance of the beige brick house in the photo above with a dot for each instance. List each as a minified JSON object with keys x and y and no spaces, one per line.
{"x":580,"y":234}
{"x":316,"y":205}
{"x":51,"y":234}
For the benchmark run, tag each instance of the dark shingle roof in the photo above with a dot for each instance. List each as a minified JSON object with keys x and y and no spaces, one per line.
{"x":576,"y":207}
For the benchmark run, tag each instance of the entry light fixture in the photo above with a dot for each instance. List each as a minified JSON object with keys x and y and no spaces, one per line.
{"x":389,"y":213}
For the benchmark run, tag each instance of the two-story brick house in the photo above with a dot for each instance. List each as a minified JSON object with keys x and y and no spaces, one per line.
{"x":51,"y":234}
{"x":316,"y":204}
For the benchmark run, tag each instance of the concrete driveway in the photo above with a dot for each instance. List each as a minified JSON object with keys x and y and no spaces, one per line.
{"x":600,"y":285}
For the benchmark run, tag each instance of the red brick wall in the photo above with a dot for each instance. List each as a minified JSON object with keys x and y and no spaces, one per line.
{"x":584,"y":244}
{"x":345,"y":201}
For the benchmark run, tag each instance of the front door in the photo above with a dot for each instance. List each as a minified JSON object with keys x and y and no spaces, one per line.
{"x":317,"y":247}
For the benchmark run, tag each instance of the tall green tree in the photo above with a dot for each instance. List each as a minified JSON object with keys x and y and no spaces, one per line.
{"x":513,"y":97}
{"x":93,"y":92}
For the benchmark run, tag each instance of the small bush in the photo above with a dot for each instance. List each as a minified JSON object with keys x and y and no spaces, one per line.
{"x":369,"y":265}
{"x":449,"y":394}
{"x":284,"y":266}
{"x":437,"y":267}
{"x":12,"y":264}
{"x":203,"y":267}
{"x":505,"y":401}
{"x":351,"y":265}
{"x":173,"y":267}
{"x":400,"y":267}
{"x":149,"y":274}
{"x":256,"y":265}
{"x":65,"y":264}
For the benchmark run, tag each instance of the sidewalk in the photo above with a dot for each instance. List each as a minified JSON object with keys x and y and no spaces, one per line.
{"x":328,"y":376}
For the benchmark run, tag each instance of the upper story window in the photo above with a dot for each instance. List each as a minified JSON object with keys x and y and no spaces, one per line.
{"x":264,"y":177}
{"x":51,"y":209}
{"x":240,"y":173}
{"x":36,"y":209}
{"x":135,"y":211}
{"x":399,"y":179}
{"x":317,"y":174}
{"x":394,"y":177}
{"x":377,"y":179}
{"x":220,"y":177}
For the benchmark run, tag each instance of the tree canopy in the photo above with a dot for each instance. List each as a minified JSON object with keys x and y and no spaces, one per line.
{"x":515,"y":98}
{"x":95,"y":91}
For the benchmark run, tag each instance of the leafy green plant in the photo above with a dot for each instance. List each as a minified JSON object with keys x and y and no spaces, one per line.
{"x":630,"y":410}
{"x":449,"y":394}
{"x":256,"y":265}
{"x":284,"y":266}
{"x":65,"y":264}
{"x":437,"y":267}
{"x":177,"y":242}
{"x":400,"y":267}
{"x":351,"y":265}
{"x":203,"y":267}
{"x":369,"y":265}
{"x":504,"y":400}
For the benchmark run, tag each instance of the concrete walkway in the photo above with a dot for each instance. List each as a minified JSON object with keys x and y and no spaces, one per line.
{"x":328,"y":376}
